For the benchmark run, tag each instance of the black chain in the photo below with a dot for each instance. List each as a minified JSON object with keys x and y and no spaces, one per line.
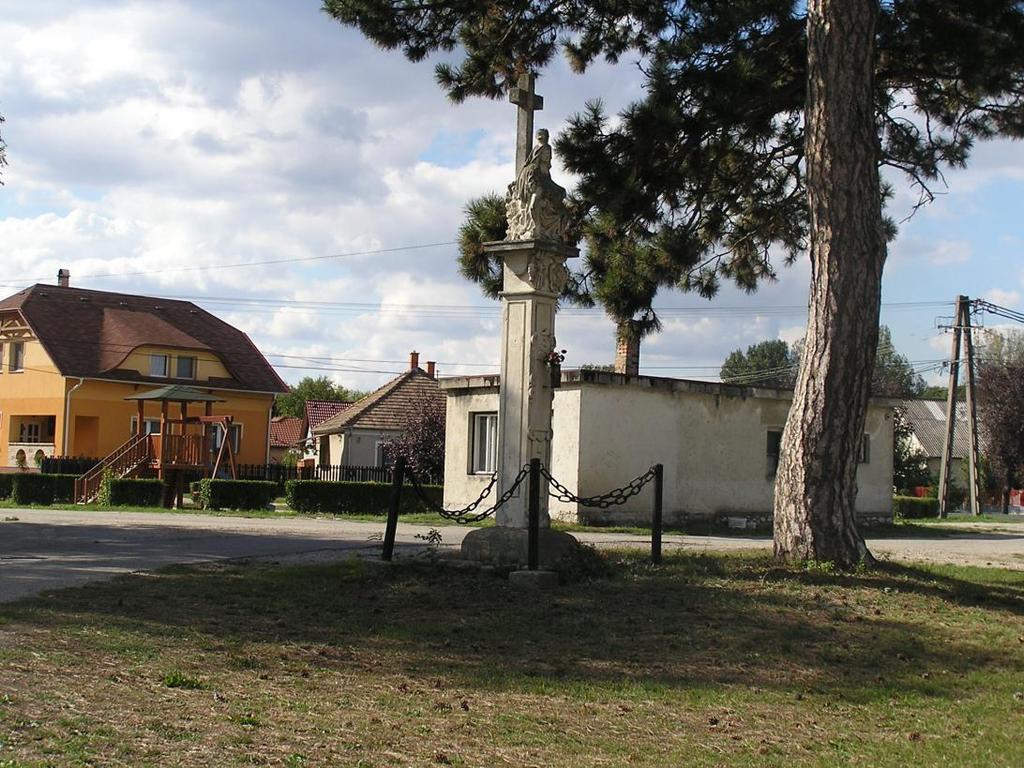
{"x":464,"y":515}
{"x":605,"y":500}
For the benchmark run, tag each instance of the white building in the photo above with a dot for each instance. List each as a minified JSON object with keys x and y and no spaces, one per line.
{"x":719,"y":445}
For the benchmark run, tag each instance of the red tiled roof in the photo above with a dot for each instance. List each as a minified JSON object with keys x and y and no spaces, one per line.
{"x":390,"y":408}
{"x":287,"y":431}
{"x":319,"y":411}
{"x":89,"y":334}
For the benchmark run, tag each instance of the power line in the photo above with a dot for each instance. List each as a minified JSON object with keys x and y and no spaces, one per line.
{"x":236,"y":265}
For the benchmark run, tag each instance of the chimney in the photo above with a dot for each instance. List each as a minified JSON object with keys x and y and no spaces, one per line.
{"x":430,"y":368}
{"x":627,"y":351}
{"x":414,"y":360}
{"x":63,"y":278}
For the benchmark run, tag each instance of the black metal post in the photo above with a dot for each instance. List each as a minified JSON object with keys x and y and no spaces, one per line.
{"x":396,"y":502}
{"x":659,"y":487}
{"x":533,"y":532}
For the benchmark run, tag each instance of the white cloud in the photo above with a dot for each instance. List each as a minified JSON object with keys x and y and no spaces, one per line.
{"x":1004,"y":298}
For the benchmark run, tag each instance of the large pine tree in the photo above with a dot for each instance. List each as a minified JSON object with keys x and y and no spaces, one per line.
{"x":750,"y":135}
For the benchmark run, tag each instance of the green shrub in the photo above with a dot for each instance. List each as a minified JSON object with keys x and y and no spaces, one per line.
{"x":914,"y":508}
{"x":63,"y":488}
{"x":32,"y":489}
{"x":312,"y":496}
{"x":237,"y":494}
{"x":6,"y":485}
{"x":131,"y":492}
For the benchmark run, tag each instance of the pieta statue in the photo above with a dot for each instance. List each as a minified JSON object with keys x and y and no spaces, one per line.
{"x":535,"y":205}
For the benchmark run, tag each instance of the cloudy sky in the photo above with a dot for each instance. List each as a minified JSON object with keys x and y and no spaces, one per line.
{"x":156,"y":146}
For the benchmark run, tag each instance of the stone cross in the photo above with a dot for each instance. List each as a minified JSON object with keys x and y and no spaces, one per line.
{"x":524,"y":97}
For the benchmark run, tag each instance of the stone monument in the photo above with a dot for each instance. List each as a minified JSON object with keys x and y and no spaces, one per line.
{"x":533,"y":253}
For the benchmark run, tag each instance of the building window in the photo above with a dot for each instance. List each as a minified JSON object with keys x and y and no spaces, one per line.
{"x":186,"y":368}
{"x":772,"y":448}
{"x":149,"y":426}
{"x":483,"y":443}
{"x":865,"y":450}
{"x":217,"y":436}
{"x":17,"y":356}
{"x":2,"y":366}
{"x":158,"y":365}
{"x":30,"y":432}
{"x":378,"y":454}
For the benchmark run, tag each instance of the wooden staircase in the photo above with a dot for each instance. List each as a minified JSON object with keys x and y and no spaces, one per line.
{"x":123,"y":462}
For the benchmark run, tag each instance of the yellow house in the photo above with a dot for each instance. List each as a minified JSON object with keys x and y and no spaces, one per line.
{"x":69,"y":357}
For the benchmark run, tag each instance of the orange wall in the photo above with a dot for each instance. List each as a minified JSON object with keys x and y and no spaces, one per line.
{"x":39,"y":390}
{"x":106,"y":399}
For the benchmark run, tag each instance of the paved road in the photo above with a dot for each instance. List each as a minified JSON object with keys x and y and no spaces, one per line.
{"x":43,"y":549}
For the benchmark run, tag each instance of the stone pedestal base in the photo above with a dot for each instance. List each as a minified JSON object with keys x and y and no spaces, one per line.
{"x":502,"y":545}
{"x":539,"y":580}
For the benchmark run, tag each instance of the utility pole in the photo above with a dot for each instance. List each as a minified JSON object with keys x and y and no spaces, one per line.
{"x":972,"y":414}
{"x":961,"y":332}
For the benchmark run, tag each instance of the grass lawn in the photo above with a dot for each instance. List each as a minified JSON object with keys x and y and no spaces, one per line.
{"x":707,"y":661}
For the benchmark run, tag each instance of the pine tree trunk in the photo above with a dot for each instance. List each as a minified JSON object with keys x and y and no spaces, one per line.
{"x":816,"y":483}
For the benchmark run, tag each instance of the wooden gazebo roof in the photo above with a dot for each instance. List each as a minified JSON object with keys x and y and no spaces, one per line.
{"x":177,"y":393}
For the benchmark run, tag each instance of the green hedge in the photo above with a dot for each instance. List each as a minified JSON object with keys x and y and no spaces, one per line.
{"x":237,"y":494}
{"x":311,"y":496}
{"x":64,"y":488}
{"x":914,"y":508}
{"x":6,"y":485}
{"x":128,"y":492}
{"x":32,"y":488}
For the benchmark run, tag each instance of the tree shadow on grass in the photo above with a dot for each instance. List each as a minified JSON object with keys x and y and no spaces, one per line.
{"x":700,"y":621}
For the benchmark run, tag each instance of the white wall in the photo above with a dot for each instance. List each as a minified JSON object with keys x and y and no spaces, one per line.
{"x":711,"y":439}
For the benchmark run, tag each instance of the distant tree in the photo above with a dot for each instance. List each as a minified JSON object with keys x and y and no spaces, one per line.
{"x":321,"y":388}
{"x":774,"y":364}
{"x":909,"y":463}
{"x":1000,"y":375}
{"x":894,"y":376}
{"x":422,"y":443}
{"x":940,"y":392}
{"x":766,"y":364}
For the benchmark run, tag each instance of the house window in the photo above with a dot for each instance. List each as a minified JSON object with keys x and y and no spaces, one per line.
{"x":1,"y":358}
{"x":149,"y":426}
{"x":29,"y":432}
{"x":865,"y":450}
{"x":217,"y":436}
{"x":772,"y":448}
{"x":378,"y":456}
{"x":186,"y":368}
{"x":17,"y":356}
{"x":158,"y":365}
{"x":483,"y":443}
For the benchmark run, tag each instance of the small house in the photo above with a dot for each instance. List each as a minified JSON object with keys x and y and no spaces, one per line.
{"x":719,"y":445}
{"x":356,"y":436}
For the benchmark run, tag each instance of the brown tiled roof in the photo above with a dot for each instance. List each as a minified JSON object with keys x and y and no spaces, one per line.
{"x":319,"y":411}
{"x":390,"y":408}
{"x":90,"y":333}
{"x":287,"y":431}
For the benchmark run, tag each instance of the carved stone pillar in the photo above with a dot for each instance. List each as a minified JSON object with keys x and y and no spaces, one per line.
{"x":534,"y":275}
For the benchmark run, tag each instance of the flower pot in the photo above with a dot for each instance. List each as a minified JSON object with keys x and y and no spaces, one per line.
{"x":556,"y":375}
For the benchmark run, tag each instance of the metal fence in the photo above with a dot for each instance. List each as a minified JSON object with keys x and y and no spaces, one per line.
{"x":278,"y":473}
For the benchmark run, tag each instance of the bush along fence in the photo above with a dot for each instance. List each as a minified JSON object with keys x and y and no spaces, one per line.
{"x":235,"y":494}
{"x":535,"y":475}
{"x":316,"y":496}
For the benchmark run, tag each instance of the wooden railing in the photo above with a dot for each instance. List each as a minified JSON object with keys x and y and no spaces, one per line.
{"x":124,"y":460}
{"x":178,"y":450}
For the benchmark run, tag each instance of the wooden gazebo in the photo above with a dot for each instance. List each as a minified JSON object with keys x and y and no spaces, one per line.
{"x":182,"y":447}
